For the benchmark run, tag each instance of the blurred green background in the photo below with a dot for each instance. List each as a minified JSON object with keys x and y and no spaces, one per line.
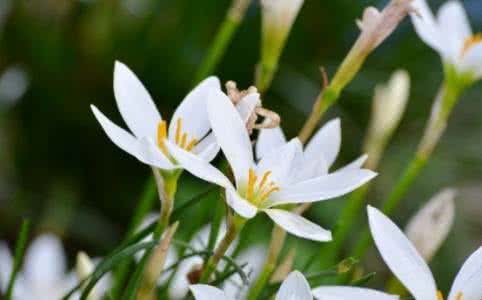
{"x":58,"y":168}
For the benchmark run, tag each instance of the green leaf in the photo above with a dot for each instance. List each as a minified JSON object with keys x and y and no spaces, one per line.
{"x":19,"y":251}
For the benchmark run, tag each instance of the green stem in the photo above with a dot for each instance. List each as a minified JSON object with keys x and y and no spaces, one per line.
{"x":278,"y":237}
{"x":234,"y":227}
{"x":19,"y":251}
{"x":223,"y":37}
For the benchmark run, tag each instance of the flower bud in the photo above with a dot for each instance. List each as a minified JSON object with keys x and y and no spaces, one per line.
{"x":278,"y":17}
{"x":388,"y":106}
{"x":429,"y":228}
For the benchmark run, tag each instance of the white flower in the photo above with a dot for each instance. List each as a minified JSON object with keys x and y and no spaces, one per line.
{"x":43,"y":276}
{"x":410,"y":268}
{"x":429,"y":228}
{"x":278,"y":17}
{"x":188,"y":129}
{"x":318,"y":156}
{"x":450,"y":35}
{"x":294,"y":287}
{"x":262,"y":186}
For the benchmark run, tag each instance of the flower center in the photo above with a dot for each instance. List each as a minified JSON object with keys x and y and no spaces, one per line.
{"x":180,"y":137}
{"x":441,"y":297}
{"x":471,"y":42}
{"x":259,"y":190}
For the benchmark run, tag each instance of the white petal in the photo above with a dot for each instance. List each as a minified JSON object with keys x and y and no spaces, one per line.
{"x":454,"y":26}
{"x":179,"y":286}
{"x":326,"y":143}
{"x":207,"y":292}
{"x":468,"y":280}
{"x":323,"y":188}
{"x":231,"y":134}
{"x":193,"y":112}
{"x":294,"y":287}
{"x":45,"y":261}
{"x":350,"y":293}
{"x":198,"y":166}
{"x":134,"y":103}
{"x":269,"y":140}
{"x":356,"y":164}
{"x":426,"y":26}
{"x":299,"y":226}
{"x":247,"y":105}
{"x":280,"y":162}
{"x":401,"y":256}
{"x":240,"y":205}
{"x":472,"y":61}
{"x":143,"y":150}
{"x":207,"y":148}
{"x":6,"y":264}
{"x":309,"y":169}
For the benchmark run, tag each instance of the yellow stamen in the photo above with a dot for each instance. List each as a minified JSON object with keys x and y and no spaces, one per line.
{"x":470,"y":42}
{"x":266,"y":194}
{"x":264,"y":179}
{"x":459,"y":296}
{"x":191,"y":144}
{"x":183,"y":140}
{"x":161,"y":135}
{"x":440,"y":296}
{"x":178,"y":130}
{"x":251,"y":181}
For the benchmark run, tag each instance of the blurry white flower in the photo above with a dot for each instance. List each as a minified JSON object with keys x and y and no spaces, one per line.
{"x":5,"y":8}
{"x":179,"y":286}
{"x":260,"y":186}
{"x":253,"y":257}
{"x":410,"y":268}
{"x":450,"y":35}
{"x":188,"y":129}
{"x":43,"y":276}
{"x":13,"y":84}
{"x":84,"y":268}
{"x":318,"y":156}
{"x":429,"y":228}
{"x":295,"y":286}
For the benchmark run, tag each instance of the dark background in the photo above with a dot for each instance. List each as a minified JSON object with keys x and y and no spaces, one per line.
{"x":58,"y":168}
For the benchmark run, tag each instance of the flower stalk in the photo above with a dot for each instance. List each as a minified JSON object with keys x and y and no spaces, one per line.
{"x":375,"y":27}
{"x":235,"y":224}
{"x":233,"y":18}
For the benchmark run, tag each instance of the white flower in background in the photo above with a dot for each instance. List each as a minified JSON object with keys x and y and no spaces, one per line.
{"x":253,"y":257}
{"x":13,"y":85}
{"x":450,"y":35}
{"x":411,"y":269}
{"x":44,"y":275}
{"x":429,"y":228}
{"x":318,"y":156}
{"x":278,"y":18}
{"x":293,"y":287}
{"x":269,"y":183}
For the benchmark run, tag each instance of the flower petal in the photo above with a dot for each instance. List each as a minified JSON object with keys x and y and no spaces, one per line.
{"x":45,"y":261}
{"x":240,"y":205}
{"x":207,"y":292}
{"x":247,"y":105}
{"x":401,"y":256}
{"x":231,"y":134}
{"x":134,"y":103}
{"x":310,"y":169}
{"x":280,"y":162}
{"x":467,"y":282}
{"x":6,"y":264}
{"x":269,"y":140}
{"x":193,"y":112}
{"x":322,"y":188}
{"x":454,"y":25}
{"x":354,"y":165}
{"x":294,"y":287}
{"x":350,"y":293}
{"x":299,"y":226}
{"x":472,"y":61}
{"x":207,"y":148}
{"x":197,"y":166}
{"x":426,"y":26}
{"x":326,"y":142}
